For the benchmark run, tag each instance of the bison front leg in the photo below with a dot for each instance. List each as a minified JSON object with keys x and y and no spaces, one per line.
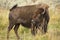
{"x":44,"y":26}
{"x":33,"y":29}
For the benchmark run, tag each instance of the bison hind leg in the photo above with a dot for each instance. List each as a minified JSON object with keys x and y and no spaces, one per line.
{"x":16,"y":30}
{"x":11,"y":24}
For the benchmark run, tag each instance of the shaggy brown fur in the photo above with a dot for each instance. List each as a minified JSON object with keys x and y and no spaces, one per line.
{"x":28,"y":16}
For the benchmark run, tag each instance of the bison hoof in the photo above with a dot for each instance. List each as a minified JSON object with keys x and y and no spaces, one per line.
{"x":33,"y":33}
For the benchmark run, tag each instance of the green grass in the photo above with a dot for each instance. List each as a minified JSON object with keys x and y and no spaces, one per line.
{"x":25,"y":34}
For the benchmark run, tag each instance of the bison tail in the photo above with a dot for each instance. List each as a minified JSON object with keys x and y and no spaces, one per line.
{"x":13,"y":7}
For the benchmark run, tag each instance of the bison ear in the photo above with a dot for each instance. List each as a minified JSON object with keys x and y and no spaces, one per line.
{"x":43,"y":11}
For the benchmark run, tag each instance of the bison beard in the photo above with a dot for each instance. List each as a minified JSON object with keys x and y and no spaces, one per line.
{"x":29,"y":16}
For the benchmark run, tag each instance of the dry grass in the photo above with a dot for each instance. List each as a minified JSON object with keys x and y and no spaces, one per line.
{"x":24,"y":33}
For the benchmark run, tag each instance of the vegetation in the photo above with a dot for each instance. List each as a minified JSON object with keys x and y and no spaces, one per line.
{"x":25,"y":34}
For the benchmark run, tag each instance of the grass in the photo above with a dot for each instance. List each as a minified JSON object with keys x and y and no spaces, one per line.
{"x":25,"y":34}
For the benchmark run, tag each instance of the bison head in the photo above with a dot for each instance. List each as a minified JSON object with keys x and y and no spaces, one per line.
{"x":39,"y":13}
{"x":38,"y":17}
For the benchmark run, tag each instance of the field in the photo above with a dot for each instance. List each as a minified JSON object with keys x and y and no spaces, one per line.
{"x":25,"y":34}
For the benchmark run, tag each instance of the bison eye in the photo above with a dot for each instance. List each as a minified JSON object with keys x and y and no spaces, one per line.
{"x":39,"y":16}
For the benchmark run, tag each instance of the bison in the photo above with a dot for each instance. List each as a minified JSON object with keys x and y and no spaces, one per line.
{"x":31,"y":16}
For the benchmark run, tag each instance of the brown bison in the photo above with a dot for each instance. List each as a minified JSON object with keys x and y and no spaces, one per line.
{"x":32,"y":16}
